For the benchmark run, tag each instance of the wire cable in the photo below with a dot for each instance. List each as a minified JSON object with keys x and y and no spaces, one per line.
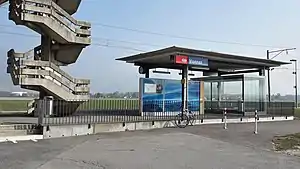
{"x":183,"y":37}
{"x":95,"y":44}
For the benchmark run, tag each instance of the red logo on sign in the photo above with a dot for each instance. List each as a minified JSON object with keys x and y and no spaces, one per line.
{"x":180,"y":59}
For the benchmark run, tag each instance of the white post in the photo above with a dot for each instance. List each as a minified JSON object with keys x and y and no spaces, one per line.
{"x":256,"y":117}
{"x":225,"y":118}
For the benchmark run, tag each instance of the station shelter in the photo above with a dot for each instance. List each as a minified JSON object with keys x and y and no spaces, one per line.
{"x":234,"y":82}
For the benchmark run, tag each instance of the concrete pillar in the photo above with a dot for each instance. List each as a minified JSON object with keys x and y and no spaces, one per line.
{"x":184,"y":80}
{"x":42,"y":94}
{"x":46,"y":48}
{"x":47,"y":53}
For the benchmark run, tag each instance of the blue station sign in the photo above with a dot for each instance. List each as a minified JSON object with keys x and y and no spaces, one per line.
{"x":198,"y":61}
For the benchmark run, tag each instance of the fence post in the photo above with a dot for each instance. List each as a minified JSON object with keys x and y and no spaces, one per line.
{"x":40,"y":111}
{"x":255,"y":123}
{"x":225,"y":118}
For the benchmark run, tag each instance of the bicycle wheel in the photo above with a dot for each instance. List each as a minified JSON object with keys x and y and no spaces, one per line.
{"x":181,"y":120}
{"x":192,"y":119}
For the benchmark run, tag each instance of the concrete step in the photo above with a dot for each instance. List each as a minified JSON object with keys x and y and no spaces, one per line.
{"x":7,"y":127}
{"x":18,"y":129}
{"x":4,"y":133}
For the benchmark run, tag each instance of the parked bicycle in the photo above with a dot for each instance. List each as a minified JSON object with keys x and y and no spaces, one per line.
{"x":185,"y":118}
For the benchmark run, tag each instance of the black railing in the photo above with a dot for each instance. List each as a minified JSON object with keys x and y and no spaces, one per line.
{"x":115,"y":111}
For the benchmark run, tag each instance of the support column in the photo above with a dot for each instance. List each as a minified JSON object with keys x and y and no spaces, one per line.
{"x":46,"y":55}
{"x":243,"y":96}
{"x":219,"y":90}
{"x":211,"y":96}
{"x":261,"y":90}
{"x":46,"y":48}
{"x":184,"y":82}
{"x":147,"y":73}
{"x":219,"y":87}
{"x":202,"y":96}
{"x":46,"y":51}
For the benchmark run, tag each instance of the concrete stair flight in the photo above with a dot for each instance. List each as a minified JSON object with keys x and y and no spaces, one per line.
{"x":3,"y":2}
{"x":37,"y":74}
{"x":62,"y":40}
{"x":68,"y":35}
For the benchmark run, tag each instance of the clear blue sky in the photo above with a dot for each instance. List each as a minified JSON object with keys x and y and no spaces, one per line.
{"x":267,"y":22}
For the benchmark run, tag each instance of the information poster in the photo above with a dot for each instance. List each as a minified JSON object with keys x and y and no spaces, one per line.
{"x":165,"y":96}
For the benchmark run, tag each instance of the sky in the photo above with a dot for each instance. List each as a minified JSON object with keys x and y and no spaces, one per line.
{"x":258,"y":25}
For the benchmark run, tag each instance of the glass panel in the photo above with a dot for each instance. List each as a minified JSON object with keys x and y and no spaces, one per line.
{"x":232,"y":90}
{"x":254,"y":93}
{"x":207,"y":91}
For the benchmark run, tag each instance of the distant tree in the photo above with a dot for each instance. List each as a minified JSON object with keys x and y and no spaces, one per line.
{"x":277,"y":96}
{"x":98,"y":95}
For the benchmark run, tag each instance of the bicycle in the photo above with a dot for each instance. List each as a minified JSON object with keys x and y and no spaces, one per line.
{"x":185,"y":118}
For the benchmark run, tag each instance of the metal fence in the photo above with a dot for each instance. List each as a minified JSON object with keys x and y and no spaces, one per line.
{"x":248,"y":108}
{"x":114,"y":111}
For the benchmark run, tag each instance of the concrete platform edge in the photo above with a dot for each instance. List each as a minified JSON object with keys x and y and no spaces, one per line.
{"x":87,"y":129}
{"x":14,"y":139}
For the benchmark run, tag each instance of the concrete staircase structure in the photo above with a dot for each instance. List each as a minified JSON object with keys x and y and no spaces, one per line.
{"x":62,"y":40}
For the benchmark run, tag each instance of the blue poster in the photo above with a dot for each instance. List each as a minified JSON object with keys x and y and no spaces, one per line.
{"x":165,"y":95}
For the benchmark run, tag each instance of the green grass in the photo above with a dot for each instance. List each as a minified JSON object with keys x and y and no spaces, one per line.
{"x":13,"y":105}
{"x":108,"y":104}
{"x":287,"y":142}
{"x":104,"y":104}
{"x":297,"y":112}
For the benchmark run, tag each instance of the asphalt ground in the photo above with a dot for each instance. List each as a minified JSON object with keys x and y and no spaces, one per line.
{"x":205,"y":146}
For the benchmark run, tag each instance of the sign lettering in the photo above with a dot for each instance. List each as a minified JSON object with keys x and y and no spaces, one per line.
{"x":198,"y":61}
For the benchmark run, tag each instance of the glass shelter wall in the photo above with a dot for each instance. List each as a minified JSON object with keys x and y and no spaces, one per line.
{"x":221,"y":93}
{"x":255,"y":95}
{"x":237,"y":93}
{"x":254,"y":87}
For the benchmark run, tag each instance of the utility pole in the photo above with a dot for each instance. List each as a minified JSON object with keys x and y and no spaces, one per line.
{"x":269,"y":86}
{"x":296,"y":82}
{"x":268,"y":57}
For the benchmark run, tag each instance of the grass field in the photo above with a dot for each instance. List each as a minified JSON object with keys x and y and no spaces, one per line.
{"x":287,"y":142}
{"x":13,"y":105}
{"x":104,"y":104}
{"x":297,"y":113}
{"x":110,"y":104}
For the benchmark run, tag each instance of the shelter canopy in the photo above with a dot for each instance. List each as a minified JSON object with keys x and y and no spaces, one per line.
{"x":178,"y":57}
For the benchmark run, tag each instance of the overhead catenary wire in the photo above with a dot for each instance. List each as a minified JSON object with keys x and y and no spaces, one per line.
{"x":99,"y":38}
{"x":118,"y":46}
{"x":107,"y":40}
{"x":121,"y":41}
{"x":184,"y":37}
{"x":95,"y":44}
{"x":108,"y":45}
{"x":178,"y":37}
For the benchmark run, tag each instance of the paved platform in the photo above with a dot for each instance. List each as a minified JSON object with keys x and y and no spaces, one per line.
{"x":207,"y":146}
